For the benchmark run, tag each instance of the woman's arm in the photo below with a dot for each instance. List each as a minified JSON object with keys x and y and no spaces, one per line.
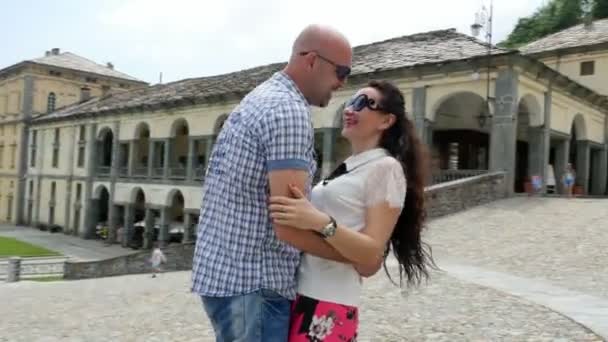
{"x":364,"y":248}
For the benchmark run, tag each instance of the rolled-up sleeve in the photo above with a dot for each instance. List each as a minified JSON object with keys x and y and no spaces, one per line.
{"x":288,"y":135}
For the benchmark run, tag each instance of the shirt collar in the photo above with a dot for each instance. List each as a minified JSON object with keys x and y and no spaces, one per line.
{"x":364,"y":157}
{"x":286,"y":81}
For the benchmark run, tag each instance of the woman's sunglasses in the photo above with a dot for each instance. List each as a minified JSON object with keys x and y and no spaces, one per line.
{"x":361,"y":101}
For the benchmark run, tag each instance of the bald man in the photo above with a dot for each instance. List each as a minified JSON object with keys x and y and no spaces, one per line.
{"x":244,"y":267}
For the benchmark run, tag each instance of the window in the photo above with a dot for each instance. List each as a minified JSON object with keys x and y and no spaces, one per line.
{"x":9,"y":214}
{"x":56,"y":149}
{"x":1,"y":156}
{"x":50,"y":103}
{"x":33,"y":147}
{"x":78,"y":192}
{"x":81,"y":133}
{"x":31,"y":189}
{"x":90,"y":80}
{"x":52,"y":203}
{"x":124,"y":86}
{"x":54,"y":73}
{"x":587,"y":68}
{"x":13,"y":155}
{"x":80,"y":156}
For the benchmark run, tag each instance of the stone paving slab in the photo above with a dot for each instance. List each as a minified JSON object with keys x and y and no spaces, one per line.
{"x":560,"y":241}
{"x":141,"y":308}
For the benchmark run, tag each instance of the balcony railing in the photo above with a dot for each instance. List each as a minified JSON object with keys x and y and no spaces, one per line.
{"x":140,"y":171}
{"x":123,"y":171}
{"x":103,"y":171}
{"x":443,"y":176}
{"x":158,"y":172}
{"x":177,"y":172}
{"x":199,"y":173}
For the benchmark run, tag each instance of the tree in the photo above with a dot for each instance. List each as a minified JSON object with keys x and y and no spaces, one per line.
{"x":600,"y":9}
{"x":555,"y":16}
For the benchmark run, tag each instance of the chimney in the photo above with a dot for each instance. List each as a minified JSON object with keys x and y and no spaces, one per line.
{"x":110,"y":65}
{"x":55,"y":51}
{"x":47,"y":53}
{"x":85,"y":94}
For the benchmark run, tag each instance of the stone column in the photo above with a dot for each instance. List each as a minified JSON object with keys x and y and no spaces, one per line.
{"x":419,"y":112}
{"x":167,"y":157}
{"x":208,"y":150}
{"x":13,"y":270}
{"x":598,"y":181}
{"x":190,"y":160}
{"x":163,"y":236}
{"x":562,"y":154}
{"x":151,"y":157}
{"x":148,"y":228}
{"x":603,"y":171}
{"x":583,"y":159}
{"x":504,"y":126}
{"x":546,"y":138}
{"x":127,"y":231}
{"x":187,"y":228}
{"x":132,"y":159}
{"x":113,"y":220}
{"x":536,"y":151}
{"x":91,"y":215}
{"x":329,"y":143}
{"x":91,"y":211}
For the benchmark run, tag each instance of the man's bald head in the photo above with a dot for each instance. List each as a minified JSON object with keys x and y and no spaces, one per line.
{"x":319,"y":38}
{"x":319,"y":56}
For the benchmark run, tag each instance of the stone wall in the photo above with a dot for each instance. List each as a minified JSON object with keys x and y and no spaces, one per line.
{"x":442,"y":199}
{"x":452,"y":197}
{"x":179,"y":258}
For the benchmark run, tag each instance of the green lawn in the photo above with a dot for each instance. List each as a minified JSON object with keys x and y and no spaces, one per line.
{"x":13,"y":247}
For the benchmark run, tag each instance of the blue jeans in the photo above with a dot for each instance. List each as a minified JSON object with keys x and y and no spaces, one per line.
{"x":261,"y":316}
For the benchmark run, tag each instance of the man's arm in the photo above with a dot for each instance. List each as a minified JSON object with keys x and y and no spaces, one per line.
{"x":304,"y":240}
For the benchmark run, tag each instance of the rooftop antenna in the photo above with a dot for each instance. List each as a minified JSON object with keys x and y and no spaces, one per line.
{"x":160,"y":78}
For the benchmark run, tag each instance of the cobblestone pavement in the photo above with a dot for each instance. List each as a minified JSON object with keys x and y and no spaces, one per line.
{"x":556,"y":240}
{"x":141,"y":308}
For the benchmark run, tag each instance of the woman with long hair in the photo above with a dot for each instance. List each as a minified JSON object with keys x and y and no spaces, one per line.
{"x":371,"y":204}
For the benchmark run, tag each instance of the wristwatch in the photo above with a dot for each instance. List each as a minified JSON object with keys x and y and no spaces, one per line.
{"x":330,"y":229}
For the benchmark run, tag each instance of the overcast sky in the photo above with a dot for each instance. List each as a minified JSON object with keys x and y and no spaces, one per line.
{"x":193,"y":38}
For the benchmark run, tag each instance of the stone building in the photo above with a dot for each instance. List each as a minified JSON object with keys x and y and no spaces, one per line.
{"x":38,"y":86}
{"x":145,"y":150}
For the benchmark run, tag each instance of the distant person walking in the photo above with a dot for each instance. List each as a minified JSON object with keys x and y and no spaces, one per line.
{"x":156,"y":260}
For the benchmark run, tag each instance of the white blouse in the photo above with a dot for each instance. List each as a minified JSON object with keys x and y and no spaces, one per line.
{"x":372,"y":177}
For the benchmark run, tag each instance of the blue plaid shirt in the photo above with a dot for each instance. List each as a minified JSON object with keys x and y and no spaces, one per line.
{"x":237,"y":251}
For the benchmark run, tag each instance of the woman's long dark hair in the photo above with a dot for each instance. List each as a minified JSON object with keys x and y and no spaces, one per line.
{"x":401,"y":141}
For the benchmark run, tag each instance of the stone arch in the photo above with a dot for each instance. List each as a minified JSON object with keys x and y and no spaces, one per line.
{"x":460,"y":133}
{"x":579,"y":127}
{"x":99,"y":190}
{"x":135,"y":193}
{"x":219,"y":123}
{"x":179,"y":126}
{"x":441,"y":101}
{"x":142,"y":130}
{"x":533,"y":108}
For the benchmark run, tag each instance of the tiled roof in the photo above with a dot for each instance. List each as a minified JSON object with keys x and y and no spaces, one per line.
{"x":72,"y":61}
{"x":406,"y":51}
{"x":576,"y":36}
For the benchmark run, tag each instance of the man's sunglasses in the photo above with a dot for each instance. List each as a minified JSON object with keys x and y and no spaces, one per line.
{"x":361,"y":101}
{"x":342,"y":71}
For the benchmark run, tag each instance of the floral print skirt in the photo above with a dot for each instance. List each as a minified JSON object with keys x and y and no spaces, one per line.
{"x":315,"y":321}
